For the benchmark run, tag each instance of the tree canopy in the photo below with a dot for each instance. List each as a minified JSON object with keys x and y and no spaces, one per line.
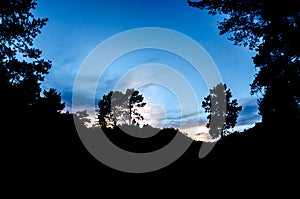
{"x":212,"y":104}
{"x":123,"y":108}
{"x":50,"y":104}
{"x":271,"y":28}
{"x":21,"y":66}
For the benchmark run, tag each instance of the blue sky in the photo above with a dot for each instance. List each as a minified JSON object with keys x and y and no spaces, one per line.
{"x":75,"y":28}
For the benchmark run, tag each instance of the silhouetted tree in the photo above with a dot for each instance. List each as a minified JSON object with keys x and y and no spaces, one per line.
{"x":271,"y":28}
{"x":134,"y":101}
{"x":50,"y":104}
{"x":214,"y":103}
{"x":117,"y":107}
{"x":21,"y":65}
{"x":105,"y":114}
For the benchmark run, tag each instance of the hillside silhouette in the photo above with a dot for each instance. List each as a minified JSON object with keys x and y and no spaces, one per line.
{"x":47,"y":148}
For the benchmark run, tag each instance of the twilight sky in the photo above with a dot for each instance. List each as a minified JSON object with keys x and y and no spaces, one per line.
{"x":75,"y":28}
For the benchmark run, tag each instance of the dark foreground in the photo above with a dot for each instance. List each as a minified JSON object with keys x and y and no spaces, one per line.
{"x":49,"y":153}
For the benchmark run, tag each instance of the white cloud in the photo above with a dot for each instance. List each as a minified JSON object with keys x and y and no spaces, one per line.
{"x":196,"y":132}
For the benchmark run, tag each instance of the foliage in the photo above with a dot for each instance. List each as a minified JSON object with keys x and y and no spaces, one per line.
{"x":271,"y":28}
{"x":49,"y":104}
{"x":117,"y":107}
{"x":21,"y":65}
{"x":214,"y":103}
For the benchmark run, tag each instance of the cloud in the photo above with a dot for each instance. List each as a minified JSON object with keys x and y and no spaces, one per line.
{"x":168,"y":116}
{"x":249,"y":114}
{"x":178,"y":117}
{"x":152,"y":60}
{"x":202,"y":137}
{"x":86,"y":96}
{"x":185,"y":121}
{"x":199,"y":133}
{"x":106,"y":84}
{"x":67,"y":97}
{"x":68,"y":60}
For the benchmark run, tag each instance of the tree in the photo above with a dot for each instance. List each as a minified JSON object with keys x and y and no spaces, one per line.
{"x":21,"y":66}
{"x":271,"y":28}
{"x":50,"y":104}
{"x":134,"y":101}
{"x":117,"y":107}
{"x":213,"y":105}
{"x":105,"y":115}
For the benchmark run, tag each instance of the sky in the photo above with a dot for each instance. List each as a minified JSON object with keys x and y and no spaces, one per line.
{"x":76,"y":28}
